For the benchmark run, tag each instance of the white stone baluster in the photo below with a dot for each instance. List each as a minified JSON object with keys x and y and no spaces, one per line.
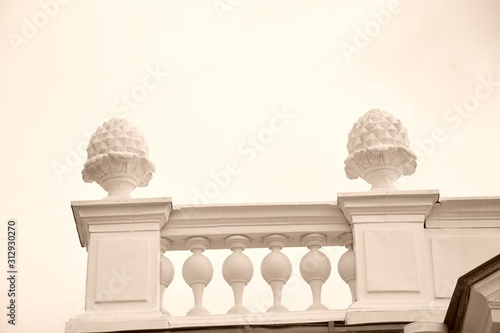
{"x":276,"y":269}
{"x":315,"y":267}
{"x":166,"y":271}
{"x":237,"y":270}
{"x":346,"y":264}
{"x":197,"y":271}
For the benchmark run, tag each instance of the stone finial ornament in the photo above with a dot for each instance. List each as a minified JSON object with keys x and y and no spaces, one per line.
{"x":118,"y":159}
{"x":379,"y":151}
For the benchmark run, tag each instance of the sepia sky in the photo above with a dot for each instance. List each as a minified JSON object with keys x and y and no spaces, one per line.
{"x":202,"y":80}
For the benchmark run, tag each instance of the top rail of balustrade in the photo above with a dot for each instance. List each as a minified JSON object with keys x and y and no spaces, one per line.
{"x":293,"y":220}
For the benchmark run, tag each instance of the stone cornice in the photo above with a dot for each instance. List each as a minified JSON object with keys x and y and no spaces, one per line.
{"x":119,"y":215}
{"x":390,"y":206}
{"x":478,"y":212}
{"x":255,"y":221}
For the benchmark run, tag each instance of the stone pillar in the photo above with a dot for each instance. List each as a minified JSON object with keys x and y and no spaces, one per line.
{"x":276,"y":269}
{"x":167,"y":271}
{"x":393,"y":273}
{"x":123,"y":271}
{"x":346,"y":264}
{"x":197,"y":271}
{"x":315,"y":267}
{"x":237,"y":270}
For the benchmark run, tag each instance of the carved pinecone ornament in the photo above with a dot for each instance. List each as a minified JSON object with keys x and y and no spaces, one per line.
{"x":377,"y":141}
{"x":117,"y":135}
{"x":118,"y":147}
{"x":377,"y":128}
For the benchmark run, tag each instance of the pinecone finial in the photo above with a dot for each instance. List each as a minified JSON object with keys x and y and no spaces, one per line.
{"x":118,"y":158}
{"x":379,"y":150}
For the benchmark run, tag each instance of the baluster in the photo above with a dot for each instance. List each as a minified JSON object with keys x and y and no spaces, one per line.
{"x":197,"y":271}
{"x":276,"y":269}
{"x":315,"y":267}
{"x":166,"y":271}
{"x":237,"y":270}
{"x":346,"y":264}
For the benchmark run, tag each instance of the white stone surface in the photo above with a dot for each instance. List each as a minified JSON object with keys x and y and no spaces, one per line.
{"x":347,"y":264}
{"x":237,"y":270}
{"x":456,"y":252}
{"x":315,"y":267}
{"x":122,"y":268}
{"x":465,"y":213}
{"x":394,"y":265}
{"x":393,"y":275}
{"x":425,"y":328}
{"x":379,"y":150}
{"x":197,"y":271}
{"x":265,"y":318}
{"x":391,"y":261}
{"x":276,"y":269}
{"x":255,"y":221}
{"x":118,"y":158}
{"x":167,"y":270}
{"x":123,"y":271}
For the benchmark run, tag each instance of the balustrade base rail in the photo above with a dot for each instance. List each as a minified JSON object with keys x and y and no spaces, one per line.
{"x":265,"y":318}
{"x":158,"y":322}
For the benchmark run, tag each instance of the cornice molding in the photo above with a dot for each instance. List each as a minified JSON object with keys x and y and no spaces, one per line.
{"x":477,"y":212}
{"x":121,"y":215}
{"x":255,"y":221}
{"x":387,"y":207}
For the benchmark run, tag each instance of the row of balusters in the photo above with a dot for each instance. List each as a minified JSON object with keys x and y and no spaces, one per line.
{"x":276,"y":268}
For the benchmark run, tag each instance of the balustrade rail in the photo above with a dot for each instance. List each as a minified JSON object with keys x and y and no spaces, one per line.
{"x":238,"y":227}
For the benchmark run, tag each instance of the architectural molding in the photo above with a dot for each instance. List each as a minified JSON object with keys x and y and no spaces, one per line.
{"x":477,"y":212}
{"x":255,"y":221}
{"x":393,"y":278}
{"x":475,"y":305}
{"x":119,"y":215}
{"x":405,"y":248}
{"x":388,"y":206}
{"x":265,"y":318}
{"x":419,"y":327}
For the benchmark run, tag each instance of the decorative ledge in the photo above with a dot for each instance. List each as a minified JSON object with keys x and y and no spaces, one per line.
{"x":387,"y":206}
{"x":114,"y":213}
{"x":477,"y":212}
{"x":265,"y":318}
{"x":255,"y":221}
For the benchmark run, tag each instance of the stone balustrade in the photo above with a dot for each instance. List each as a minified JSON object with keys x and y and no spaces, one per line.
{"x":134,"y":238}
{"x":405,"y":249}
{"x":396,"y":264}
{"x":237,"y":227}
{"x":238,"y":270}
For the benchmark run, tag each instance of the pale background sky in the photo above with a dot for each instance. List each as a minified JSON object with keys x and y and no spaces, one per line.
{"x":225,"y":77}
